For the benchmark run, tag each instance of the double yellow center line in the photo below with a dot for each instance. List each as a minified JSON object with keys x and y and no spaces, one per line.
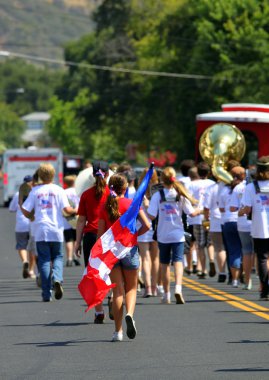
{"x":238,"y":302}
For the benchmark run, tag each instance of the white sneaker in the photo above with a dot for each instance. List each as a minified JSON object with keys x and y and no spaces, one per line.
{"x":117,"y":336}
{"x":179,"y":298}
{"x":235,"y":284}
{"x":165,"y":299}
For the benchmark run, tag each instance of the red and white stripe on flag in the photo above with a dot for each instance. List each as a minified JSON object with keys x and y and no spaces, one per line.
{"x":112,"y":246}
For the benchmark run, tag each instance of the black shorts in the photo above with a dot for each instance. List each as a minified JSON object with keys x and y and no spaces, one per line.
{"x":89,"y":240}
{"x":189,"y":229}
{"x":261,"y":246}
{"x":69,"y":235}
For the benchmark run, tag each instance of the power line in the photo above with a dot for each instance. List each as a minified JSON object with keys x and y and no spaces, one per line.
{"x":106,"y":68}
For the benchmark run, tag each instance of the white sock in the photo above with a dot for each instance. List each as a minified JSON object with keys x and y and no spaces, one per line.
{"x":178,"y":289}
{"x":99,"y":312}
{"x":167,"y":295}
{"x":194,"y":255}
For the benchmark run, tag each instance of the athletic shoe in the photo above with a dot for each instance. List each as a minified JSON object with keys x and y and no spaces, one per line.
{"x":131,"y":329}
{"x":194,"y":268}
{"x":179,"y":298}
{"x":212,"y":269}
{"x":69,"y":263}
{"x":201,"y":275}
{"x":147,"y":293}
{"x":117,"y":336}
{"x":46,"y":299}
{"x":58,"y":290}
{"x":160,"y":290}
{"x":235,"y":284}
{"x":222,"y":278}
{"x":187,"y":271}
{"x":76,"y":262}
{"x":25,"y":270}
{"x":99,"y":319}
{"x":247,"y":286}
{"x":32,"y":275}
{"x":165,"y":299}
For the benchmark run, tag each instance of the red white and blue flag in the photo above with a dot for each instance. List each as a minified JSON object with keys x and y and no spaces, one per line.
{"x":112,"y":246}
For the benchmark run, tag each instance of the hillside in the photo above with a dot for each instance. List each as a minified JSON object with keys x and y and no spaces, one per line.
{"x":42,"y":27}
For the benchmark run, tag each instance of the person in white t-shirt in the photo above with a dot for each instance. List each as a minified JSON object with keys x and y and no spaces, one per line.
{"x":185,"y":166}
{"x":197,"y":189}
{"x":230,"y":231}
{"x":148,"y":247}
{"x":168,"y":204}
{"x":22,"y":230}
{"x":256,"y":204}
{"x":69,"y":230}
{"x":244,"y":228}
{"x":213,"y":215}
{"x":48,"y":202}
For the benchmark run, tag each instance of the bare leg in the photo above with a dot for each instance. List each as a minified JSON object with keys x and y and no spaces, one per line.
{"x":69,"y":248}
{"x":116,"y":277}
{"x":165,"y":270}
{"x":178,"y":269}
{"x":130,"y":285}
{"x":146,"y":264}
{"x":211,"y":252}
{"x":23,"y":255}
{"x":221,"y":260}
{"x":155,"y":264}
{"x":202,"y":258}
{"x":247,"y":266}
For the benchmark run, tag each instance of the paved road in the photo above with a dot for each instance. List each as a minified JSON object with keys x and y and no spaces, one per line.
{"x":220,"y":333}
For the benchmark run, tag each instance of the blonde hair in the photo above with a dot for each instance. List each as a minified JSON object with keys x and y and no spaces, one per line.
{"x":168,"y":178}
{"x":153,"y":181}
{"x":46,"y":172}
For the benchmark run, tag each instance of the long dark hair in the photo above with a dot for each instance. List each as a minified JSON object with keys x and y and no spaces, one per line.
{"x":117,"y":185}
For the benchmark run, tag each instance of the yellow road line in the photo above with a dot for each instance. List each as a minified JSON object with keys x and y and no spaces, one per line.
{"x":231,"y":299}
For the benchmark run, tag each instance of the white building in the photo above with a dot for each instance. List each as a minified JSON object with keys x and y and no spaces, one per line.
{"x":35,"y":126}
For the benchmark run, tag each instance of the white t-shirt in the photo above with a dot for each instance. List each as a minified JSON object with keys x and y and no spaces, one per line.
{"x":211,"y":203}
{"x":197,"y":189}
{"x":147,"y":236}
{"x":260,"y":209}
{"x":22,"y":223}
{"x":73,"y":201}
{"x":185,"y":180}
{"x":48,"y":202}
{"x":170,"y":227}
{"x":243,"y":224}
{"x":225,"y":202}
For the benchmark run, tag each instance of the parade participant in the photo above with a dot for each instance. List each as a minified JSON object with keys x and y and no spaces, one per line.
{"x":230,"y":231}
{"x":148,"y":247}
{"x":88,"y":216}
{"x":69,"y":230}
{"x":256,"y":204}
{"x":243,"y":227}
{"x":124,"y":273}
{"x":129,"y":173}
{"x":197,"y":189}
{"x":22,"y":232}
{"x":48,"y":202}
{"x":213,"y":215}
{"x":168,"y":204}
{"x":185,"y":166}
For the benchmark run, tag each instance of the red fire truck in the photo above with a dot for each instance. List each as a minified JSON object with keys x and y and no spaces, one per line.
{"x":251,"y":119}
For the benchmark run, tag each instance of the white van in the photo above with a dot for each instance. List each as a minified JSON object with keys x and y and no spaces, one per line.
{"x":17,"y":163}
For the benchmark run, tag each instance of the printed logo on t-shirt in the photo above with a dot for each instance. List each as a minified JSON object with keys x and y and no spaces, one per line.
{"x":45,"y":203}
{"x":169,"y":209}
{"x":264,"y":200}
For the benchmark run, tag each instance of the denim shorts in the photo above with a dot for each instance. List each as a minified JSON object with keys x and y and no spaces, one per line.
{"x":246,"y":242}
{"x":166,"y":249}
{"x":130,"y":261}
{"x":22,"y":239}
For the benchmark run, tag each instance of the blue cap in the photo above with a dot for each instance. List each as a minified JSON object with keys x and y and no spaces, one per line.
{"x":28,"y":178}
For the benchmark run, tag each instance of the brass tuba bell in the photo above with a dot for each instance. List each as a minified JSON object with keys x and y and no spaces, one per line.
{"x":220,"y":143}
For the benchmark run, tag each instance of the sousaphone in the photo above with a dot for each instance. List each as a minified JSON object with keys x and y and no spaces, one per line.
{"x":220,"y":143}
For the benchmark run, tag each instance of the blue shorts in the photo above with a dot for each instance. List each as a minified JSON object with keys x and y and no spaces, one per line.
{"x":22,"y":239}
{"x":246,"y":242}
{"x":130,"y":261}
{"x":233,"y":244}
{"x":177,"y":250}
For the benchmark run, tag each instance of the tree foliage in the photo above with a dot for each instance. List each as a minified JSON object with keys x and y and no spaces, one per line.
{"x":11,"y":127}
{"x":226,"y":41}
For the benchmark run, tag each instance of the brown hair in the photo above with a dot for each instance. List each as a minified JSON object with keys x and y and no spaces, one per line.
{"x":46,"y":172}
{"x":117,"y":184}
{"x":69,"y":180}
{"x":168,"y":177}
{"x":263,"y":168}
{"x":153,"y":181}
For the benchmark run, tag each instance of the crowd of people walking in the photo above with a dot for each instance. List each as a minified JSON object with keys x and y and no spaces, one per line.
{"x":188,"y":221}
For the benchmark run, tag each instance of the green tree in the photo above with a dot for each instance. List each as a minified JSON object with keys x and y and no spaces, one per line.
{"x":11,"y":127}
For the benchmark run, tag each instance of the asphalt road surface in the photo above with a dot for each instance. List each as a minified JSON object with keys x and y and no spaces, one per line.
{"x":220,"y":333}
